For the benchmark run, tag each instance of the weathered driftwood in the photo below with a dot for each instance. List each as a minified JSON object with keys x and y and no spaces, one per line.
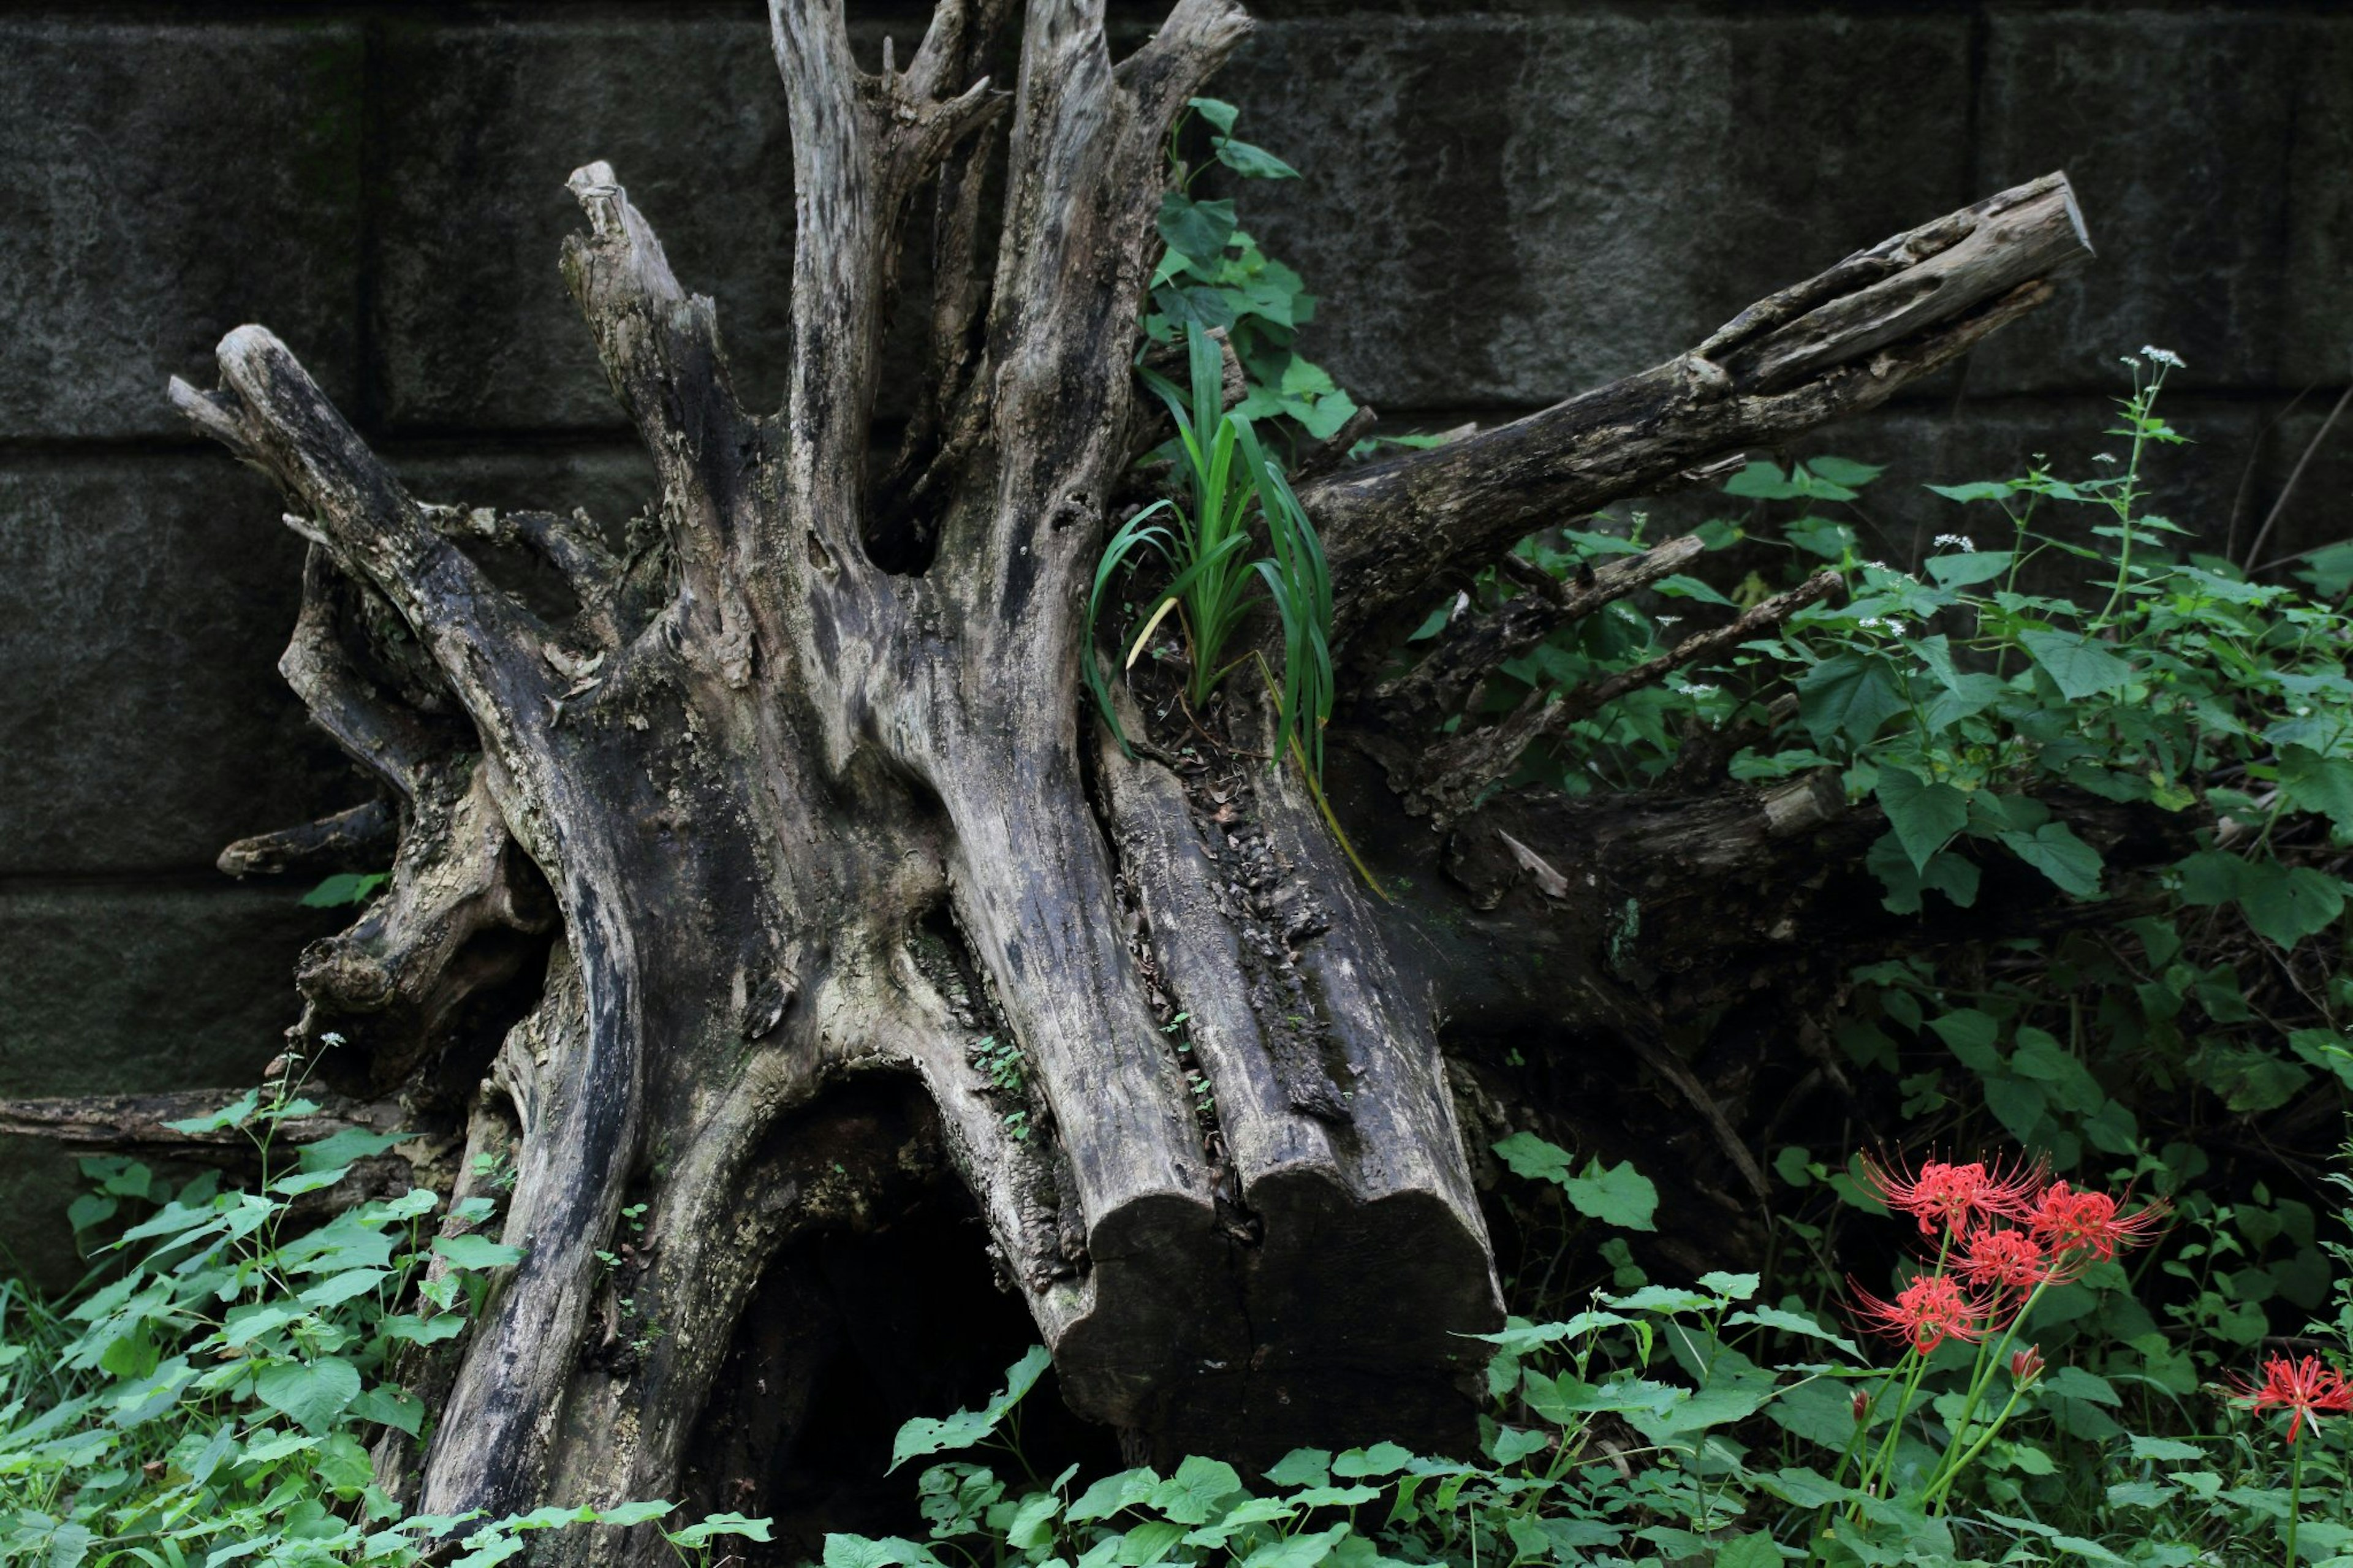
{"x":805,"y":793}
{"x":1834,"y":345}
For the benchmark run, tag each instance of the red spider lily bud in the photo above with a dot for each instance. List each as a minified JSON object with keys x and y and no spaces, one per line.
{"x":1861,"y":1404}
{"x":2026,"y":1365}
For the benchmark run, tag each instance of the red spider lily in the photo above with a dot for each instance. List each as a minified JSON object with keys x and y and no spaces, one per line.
{"x":2026,"y":1365}
{"x":2085,"y":1228}
{"x":1953,"y":1195}
{"x":1926,"y":1313}
{"x":2306,"y":1388}
{"x":2008,"y":1260}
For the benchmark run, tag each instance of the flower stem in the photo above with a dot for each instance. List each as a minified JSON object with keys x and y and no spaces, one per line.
{"x":2294,"y":1493}
{"x":1978,"y":1379}
{"x":1935,"y":1496}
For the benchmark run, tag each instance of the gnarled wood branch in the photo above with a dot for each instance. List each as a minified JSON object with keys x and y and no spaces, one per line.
{"x":1833,"y":346}
{"x":364,"y":834}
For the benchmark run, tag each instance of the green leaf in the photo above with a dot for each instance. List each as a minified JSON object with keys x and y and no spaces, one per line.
{"x":2164,"y":1448}
{"x":1845,"y":470}
{"x":2055,"y":851}
{"x":1197,"y":1491}
{"x":1510,"y":1444}
{"x":888,"y":1551}
{"x":1528,"y":1155}
{"x":301,"y":1182}
{"x":2018,"y":1104}
{"x":1794,"y":1323}
{"x":1196,"y":229}
{"x":408,"y":1328}
{"x":1380,"y":1459}
{"x":1925,"y":817}
{"x":345,"y":888}
{"x":244,"y":1324}
{"x":1142,"y":1546}
{"x":2320,"y":784}
{"x":1299,"y":1468}
{"x":2074,"y":1382}
{"x":1804,"y":1486}
{"x":230,"y":1115}
{"x":1033,"y":1523}
{"x":339,"y":1150}
{"x":1253,"y":163}
{"x":1114,"y":1492}
{"x":2326,"y":1049}
{"x":1684,"y":586}
{"x":2249,"y":1079}
{"x":1754,"y":1549}
{"x":2210,"y":877}
{"x":1730,"y":1287}
{"x":718,"y":1524}
{"x":1970,"y":1035}
{"x":1847,"y":695}
{"x":1980,"y":490}
{"x":1821,"y":536}
{"x":1618,"y":1196}
{"x":1951,"y":874}
{"x":927,"y":1434}
{"x":2285,"y":904}
{"x":311,"y":1393}
{"x":1220,"y":114}
{"x":1246,"y":1512}
{"x":476,"y":1252}
{"x":391,"y":1406}
{"x":1964,"y":570}
{"x":1668,"y":1298}
{"x":2078,"y":666}
{"x":1302,"y":1551}
{"x":1761,"y":480}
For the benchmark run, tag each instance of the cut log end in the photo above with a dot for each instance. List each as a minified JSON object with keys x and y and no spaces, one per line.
{"x":1331,"y":1321}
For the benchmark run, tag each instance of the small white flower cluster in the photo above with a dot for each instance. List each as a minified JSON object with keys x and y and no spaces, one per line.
{"x":1666,"y":620}
{"x":2103,"y":456}
{"x":1693,"y":689}
{"x":1958,"y":541}
{"x":2162,"y":356}
{"x":1890,"y":625}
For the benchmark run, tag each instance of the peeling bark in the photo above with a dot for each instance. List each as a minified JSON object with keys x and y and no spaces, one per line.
{"x":803,"y":795}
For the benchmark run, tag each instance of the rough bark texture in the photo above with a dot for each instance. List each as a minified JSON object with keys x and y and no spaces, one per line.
{"x":795,"y":807}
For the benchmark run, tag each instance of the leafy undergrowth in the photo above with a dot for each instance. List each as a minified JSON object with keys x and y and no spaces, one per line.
{"x":1664,"y":1426}
{"x":2162,"y":1003}
{"x":211,"y":1394}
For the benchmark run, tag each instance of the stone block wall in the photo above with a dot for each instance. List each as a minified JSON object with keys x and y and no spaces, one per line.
{"x":1504,"y":203}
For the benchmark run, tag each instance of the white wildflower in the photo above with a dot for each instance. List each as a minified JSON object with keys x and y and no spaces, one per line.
{"x":1666,"y":620}
{"x":1693,"y":689}
{"x":2103,"y":456}
{"x":2162,"y":356}
{"x":1958,"y":541}
{"x":1870,"y":622}
{"x":1877,"y":565}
